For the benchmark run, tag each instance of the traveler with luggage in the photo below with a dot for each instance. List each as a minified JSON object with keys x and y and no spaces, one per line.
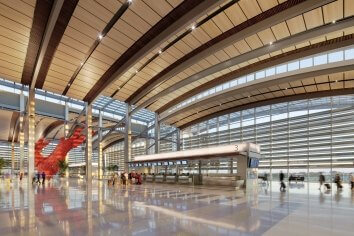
{"x":282,"y":184}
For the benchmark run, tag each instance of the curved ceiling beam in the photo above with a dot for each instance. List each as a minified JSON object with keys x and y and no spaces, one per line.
{"x":180,"y":17}
{"x":281,"y":44}
{"x":52,"y":126}
{"x":267,"y":82}
{"x":58,"y":31}
{"x":273,"y":16}
{"x":336,"y":92}
{"x":276,"y":60}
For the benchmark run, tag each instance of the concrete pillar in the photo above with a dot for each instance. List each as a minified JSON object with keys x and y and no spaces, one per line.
{"x":22,"y":134}
{"x":178,"y":139}
{"x":157,"y":134}
{"x":66,"y":132}
{"x":100,"y":154}
{"x":127,"y":138}
{"x":88,"y":148}
{"x":31,"y":110}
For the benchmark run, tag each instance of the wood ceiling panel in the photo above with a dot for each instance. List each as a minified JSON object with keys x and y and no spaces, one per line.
{"x":232,"y":51}
{"x":71,"y":51}
{"x":107,"y":51}
{"x":265,"y":5}
{"x":111,"y":5}
{"x":313,"y":18}
{"x":348,"y":8}
{"x":67,"y":65}
{"x":74,"y":43}
{"x":10,"y":74}
{"x":250,"y":8}
{"x":242,"y":46}
{"x":235,"y":14}
{"x":223,"y":22}
{"x":120,"y":37}
{"x":14,"y":26}
{"x":211,"y":29}
{"x":254,"y":42}
{"x":129,"y":30}
{"x":322,"y":87}
{"x":161,"y":6}
{"x":75,"y":34}
{"x":12,"y":59}
{"x":89,"y":19}
{"x":83,"y":28}
{"x":97,"y":10}
{"x":266,"y":36}
{"x":280,"y":31}
{"x":333,"y":11}
{"x":142,"y":9}
{"x":296,"y":24}
{"x":15,"y":15}
{"x":11,"y":51}
{"x":136,"y":21}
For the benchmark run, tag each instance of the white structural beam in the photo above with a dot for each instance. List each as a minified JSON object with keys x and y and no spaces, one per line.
{"x":127,"y":137}
{"x":88,"y":148}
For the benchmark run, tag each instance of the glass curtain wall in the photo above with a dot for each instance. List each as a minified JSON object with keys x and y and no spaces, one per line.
{"x":303,"y":137}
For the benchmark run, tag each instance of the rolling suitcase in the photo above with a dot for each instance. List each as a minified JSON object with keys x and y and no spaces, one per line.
{"x":328,"y":186}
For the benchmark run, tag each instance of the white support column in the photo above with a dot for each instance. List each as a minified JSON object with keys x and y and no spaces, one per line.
{"x":88,"y":148}
{"x":66,"y":131}
{"x":178,"y":139}
{"x":12,"y":159}
{"x":157,"y":134}
{"x":31,"y":107}
{"x":22,"y":134}
{"x":100,"y":153}
{"x":127,"y":138}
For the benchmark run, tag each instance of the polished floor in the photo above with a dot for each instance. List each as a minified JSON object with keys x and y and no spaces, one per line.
{"x":75,"y":208}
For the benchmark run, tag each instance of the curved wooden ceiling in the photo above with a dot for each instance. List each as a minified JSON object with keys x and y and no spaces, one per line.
{"x":158,"y":53}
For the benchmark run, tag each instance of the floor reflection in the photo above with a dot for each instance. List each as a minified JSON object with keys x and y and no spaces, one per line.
{"x":76,"y":208}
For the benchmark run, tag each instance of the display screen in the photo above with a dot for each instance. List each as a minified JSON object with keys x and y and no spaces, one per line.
{"x":145,"y":164}
{"x":178,"y":162}
{"x":184,"y":162}
{"x":154,"y":164}
{"x":149,"y":164}
{"x":140,"y":164}
{"x":165,"y":163}
{"x":159,"y":163}
{"x":253,"y":163}
{"x":170,"y":163}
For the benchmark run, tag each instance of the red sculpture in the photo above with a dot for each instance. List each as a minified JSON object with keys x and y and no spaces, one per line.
{"x":49,"y":164}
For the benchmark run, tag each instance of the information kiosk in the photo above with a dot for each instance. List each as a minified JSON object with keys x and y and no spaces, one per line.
{"x":203,"y":165}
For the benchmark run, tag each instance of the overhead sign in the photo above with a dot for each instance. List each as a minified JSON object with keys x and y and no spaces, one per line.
{"x":231,"y":149}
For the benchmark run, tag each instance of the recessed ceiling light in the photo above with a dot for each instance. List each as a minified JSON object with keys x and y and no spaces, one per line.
{"x":100,"y":36}
{"x":336,"y":81}
{"x":334,"y":22}
{"x":81,"y":63}
{"x":160,"y":51}
{"x":193,"y":27}
{"x":130,"y":1}
{"x":69,"y":84}
{"x":136,"y":72}
{"x":270,"y":43}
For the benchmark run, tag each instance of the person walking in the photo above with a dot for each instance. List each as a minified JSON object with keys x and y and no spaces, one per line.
{"x":21,"y":176}
{"x":43,"y":177}
{"x":352,"y":181}
{"x":38,"y":178}
{"x":282,"y":184}
{"x":338,"y":181}
{"x":321,"y":180}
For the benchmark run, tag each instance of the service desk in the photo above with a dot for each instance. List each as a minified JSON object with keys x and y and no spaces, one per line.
{"x":171,"y":179}
{"x":160,"y":178}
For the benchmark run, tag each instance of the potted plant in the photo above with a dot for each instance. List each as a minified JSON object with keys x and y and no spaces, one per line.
{"x":63,"y":166}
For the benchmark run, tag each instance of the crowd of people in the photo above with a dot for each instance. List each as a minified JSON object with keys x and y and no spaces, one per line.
{"x":322,"y":181}
{"x":126,"y":178}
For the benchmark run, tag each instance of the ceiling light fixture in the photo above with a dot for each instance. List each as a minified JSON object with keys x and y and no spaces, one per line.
{"x":160,"y":51}
{"x":130,"y":2}
{"x":334,"y":22}
{"x":193,"y":27}
{"x":81,"y":63}
{"x":270,"y":43}
{"x":100,"y":36}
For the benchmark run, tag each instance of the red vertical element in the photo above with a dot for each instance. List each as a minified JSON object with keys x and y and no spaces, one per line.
{"x":49,"y":164}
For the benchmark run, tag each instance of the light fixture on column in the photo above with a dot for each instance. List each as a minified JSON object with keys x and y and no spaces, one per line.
{"x":160,"y":51}
{"x":193,"y":27}
{"x":100,"y":36}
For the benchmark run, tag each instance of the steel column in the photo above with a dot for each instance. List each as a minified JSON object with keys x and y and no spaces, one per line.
{"x":127,"y":137}
{"x":31,"y":110}
{"x":100,"y":153}
{"x":157,"y":134}
{"x":88,"y":148}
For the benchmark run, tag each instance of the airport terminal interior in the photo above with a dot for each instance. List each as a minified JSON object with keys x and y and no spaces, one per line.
{"x":177,"y":117}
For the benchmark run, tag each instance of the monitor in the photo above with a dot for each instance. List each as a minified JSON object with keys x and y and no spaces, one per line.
{"x":165,"y":163}
{"x":154,"y":164}
{"x":184,"y":162}
{"x":149,"y":164}
{"x":145,"y":164}
{"x":170,"y":163}
{"x":253,"y":163}
{"x":178,"y":162}
{"x":159,"y":163}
